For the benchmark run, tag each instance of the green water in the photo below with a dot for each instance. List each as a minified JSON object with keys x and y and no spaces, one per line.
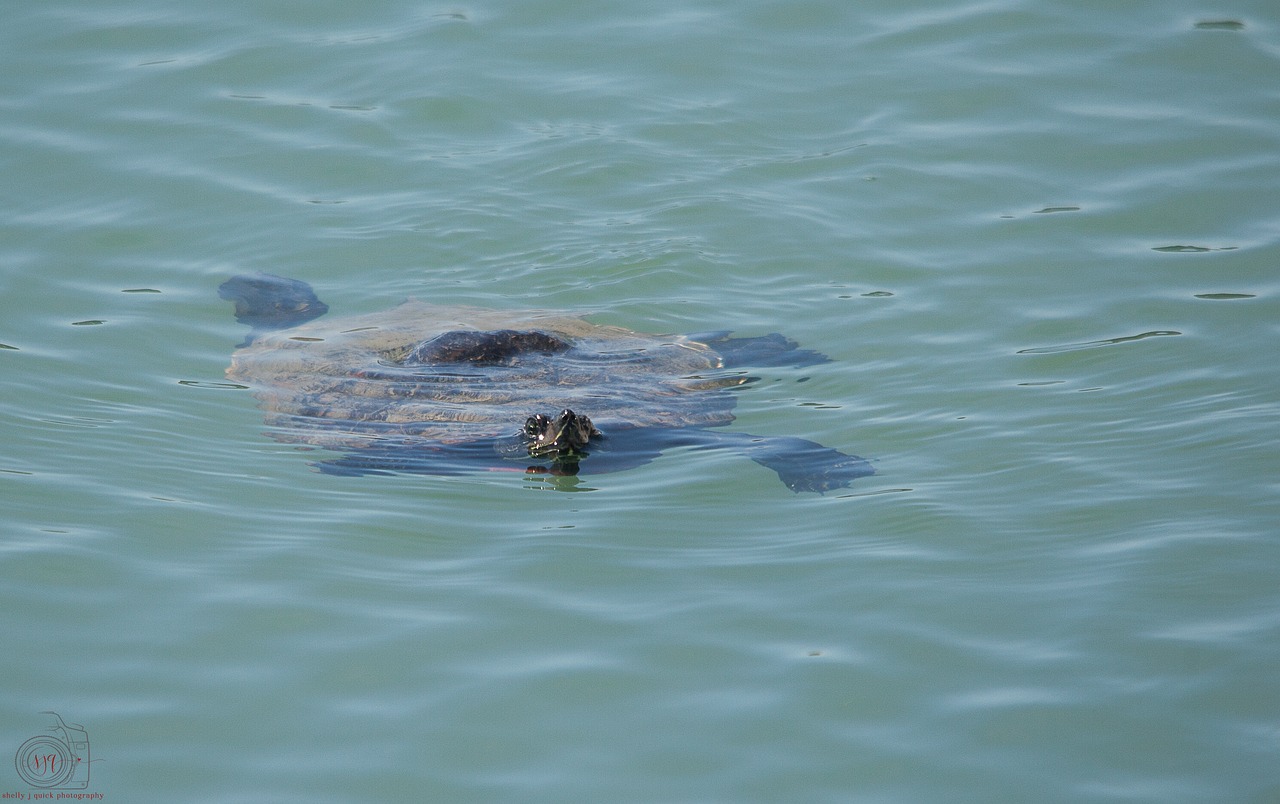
{"x":1040,"y":242}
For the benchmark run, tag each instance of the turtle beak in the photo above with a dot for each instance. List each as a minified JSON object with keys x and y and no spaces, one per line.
{"x":564,"y":437}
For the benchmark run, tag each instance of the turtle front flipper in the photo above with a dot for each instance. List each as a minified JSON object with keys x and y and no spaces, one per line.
{"x":266,"y":302}
{"x":801,"y":465}
{"x":805,"y":465}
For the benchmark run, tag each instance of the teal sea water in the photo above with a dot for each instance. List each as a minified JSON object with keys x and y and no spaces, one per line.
{"x":1040,"y":242}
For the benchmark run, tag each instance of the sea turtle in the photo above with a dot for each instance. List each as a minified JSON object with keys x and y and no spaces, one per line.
{"x":435,"y":389}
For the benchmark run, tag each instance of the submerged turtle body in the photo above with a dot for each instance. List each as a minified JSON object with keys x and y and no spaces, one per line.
{"x":406,"y":388}
{"x":356,"y":382}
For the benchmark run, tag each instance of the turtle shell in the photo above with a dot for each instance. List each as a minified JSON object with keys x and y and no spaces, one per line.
{"x":425,"y":374}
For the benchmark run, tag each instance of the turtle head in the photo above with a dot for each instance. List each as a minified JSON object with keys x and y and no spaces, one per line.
{"x":564,"y":437}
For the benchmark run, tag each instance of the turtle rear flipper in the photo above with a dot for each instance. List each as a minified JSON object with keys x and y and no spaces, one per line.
{"x":763,"y":351}
{"x":267,"y":302}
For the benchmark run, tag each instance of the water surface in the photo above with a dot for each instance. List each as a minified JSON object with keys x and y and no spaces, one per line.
{"x":1038,"y":242}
